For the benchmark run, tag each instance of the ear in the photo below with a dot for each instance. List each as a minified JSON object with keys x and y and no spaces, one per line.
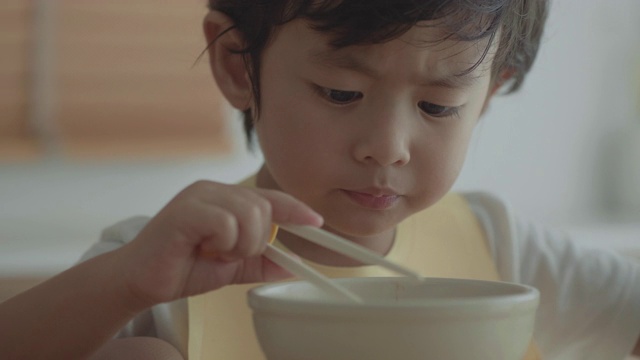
{"x":502,"y":78}
{"x":228,"y":68}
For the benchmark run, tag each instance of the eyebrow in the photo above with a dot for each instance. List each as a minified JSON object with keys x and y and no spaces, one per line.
{"x":349,"y":62}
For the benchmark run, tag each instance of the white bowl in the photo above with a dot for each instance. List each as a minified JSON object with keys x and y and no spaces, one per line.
{"x":443,"y":319}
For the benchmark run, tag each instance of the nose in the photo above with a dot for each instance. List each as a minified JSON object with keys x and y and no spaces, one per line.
{"x":384,"y":140}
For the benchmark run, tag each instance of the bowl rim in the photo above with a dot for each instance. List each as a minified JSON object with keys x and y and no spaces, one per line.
{"x":524,"y":299}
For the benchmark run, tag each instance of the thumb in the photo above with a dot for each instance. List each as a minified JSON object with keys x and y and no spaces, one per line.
{"x":261,"y":269}
{"x":274,"y":272}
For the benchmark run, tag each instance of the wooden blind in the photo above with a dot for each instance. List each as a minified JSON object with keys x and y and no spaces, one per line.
{"x":125,"y":80}
{"x":17,"y":141}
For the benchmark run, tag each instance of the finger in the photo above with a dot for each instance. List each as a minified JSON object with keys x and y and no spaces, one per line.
{"x":215,"y":229}
{"x":273,"y":272}
{"x":288,"y":210}
{"x":253,"y":214}
{"x":285,"y":208}
{"x":244,"y":216}
{"x":260,"y":269}
{"x":227,"y":219}
{"x":208,"y":275}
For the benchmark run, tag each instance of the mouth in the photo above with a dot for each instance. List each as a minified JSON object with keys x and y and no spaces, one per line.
{"x":373,"y":199}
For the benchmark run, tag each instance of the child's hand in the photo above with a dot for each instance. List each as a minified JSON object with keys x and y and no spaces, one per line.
{"x":166,"y":262}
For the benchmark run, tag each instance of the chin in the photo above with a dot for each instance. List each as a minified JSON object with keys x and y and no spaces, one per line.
{"x":362,"y":226}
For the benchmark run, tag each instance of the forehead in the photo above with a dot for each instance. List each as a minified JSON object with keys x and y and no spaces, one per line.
{"x":425,"y":49}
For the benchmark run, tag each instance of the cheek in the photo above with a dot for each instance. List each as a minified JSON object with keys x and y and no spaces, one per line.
{"x":437,"y":171}
{"x":458,"y":148}
{"x":296,"y":145}
{"x":290,"y":129}
{"x":440,"y":160}
{"x":292,"y":123}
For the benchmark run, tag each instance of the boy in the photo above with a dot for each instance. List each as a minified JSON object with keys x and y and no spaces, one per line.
{"x":363,"y":110}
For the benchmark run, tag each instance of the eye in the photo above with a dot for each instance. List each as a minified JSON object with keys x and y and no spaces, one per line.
{"x":436,"y":110}
{"x":339,"y":96}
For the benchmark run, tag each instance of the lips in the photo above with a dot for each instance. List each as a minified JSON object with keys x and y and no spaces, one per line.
{"x":373,"y":199}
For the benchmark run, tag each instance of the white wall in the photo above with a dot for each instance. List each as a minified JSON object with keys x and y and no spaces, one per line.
{"x":547,"y":147}
{"x":542,"y":148}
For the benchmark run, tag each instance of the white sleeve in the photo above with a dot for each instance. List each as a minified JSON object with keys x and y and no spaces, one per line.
{"x":116,"y":235}
{"x":165,"y":321}
{"x":589,"y":297}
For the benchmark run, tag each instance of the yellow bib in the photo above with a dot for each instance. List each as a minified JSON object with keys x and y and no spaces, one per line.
{"x":445,"y":240}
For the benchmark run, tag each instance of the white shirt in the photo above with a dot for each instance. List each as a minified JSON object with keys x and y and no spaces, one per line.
{"x":589,"y":297}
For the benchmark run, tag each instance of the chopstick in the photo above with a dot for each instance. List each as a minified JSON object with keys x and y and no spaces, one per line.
{"x":304,"y":271}
{"x":345,"y":247}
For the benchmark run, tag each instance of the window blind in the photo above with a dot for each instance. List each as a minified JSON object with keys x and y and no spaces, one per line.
{"x":124,"y":77}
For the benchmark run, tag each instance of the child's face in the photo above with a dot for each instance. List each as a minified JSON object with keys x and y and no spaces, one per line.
{"x":368,"y":135}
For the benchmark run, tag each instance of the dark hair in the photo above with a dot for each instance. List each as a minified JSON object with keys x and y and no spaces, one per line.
{"x":350,"y":22}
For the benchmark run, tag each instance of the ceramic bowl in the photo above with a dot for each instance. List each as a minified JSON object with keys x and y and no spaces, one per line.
{"x":448,"y":319}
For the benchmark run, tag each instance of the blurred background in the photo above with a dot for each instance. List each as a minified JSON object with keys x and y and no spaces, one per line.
{"x":107,"y":113}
